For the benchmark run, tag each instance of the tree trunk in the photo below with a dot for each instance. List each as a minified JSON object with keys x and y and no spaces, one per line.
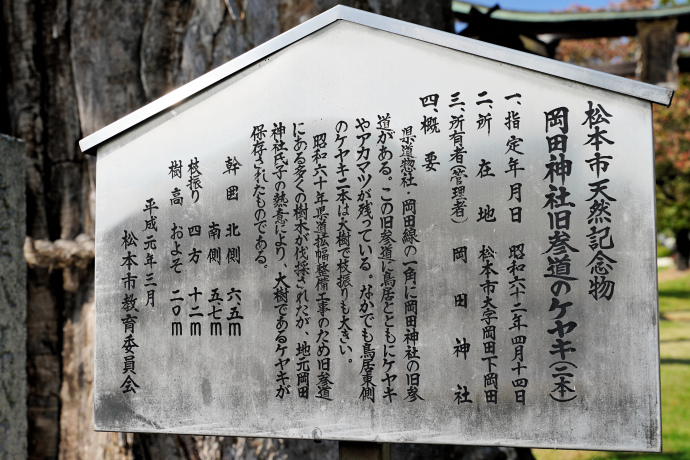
{"x":658,"y":61}
{"x":682,"y":249}
{"x":67,"y":69}
{"x":12,"y":301}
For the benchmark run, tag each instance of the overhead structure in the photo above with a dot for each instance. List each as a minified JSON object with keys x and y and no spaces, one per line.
{"x":540,"y":33}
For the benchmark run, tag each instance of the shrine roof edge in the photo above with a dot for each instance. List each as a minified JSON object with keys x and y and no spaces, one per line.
{"x":645,"y":91}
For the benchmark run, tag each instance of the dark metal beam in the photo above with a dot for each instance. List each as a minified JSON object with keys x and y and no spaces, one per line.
{"x":579,"y":25}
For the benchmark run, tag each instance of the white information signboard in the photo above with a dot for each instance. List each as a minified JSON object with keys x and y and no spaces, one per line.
{"x":370,"y":233}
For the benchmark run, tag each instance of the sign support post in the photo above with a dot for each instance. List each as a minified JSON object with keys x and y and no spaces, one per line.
{"x":352,"y":450}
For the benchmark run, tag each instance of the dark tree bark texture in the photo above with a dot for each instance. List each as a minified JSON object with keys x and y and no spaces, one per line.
{"x":67,"y":69}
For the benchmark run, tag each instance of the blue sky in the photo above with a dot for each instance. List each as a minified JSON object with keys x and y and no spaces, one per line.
{"x":540,"y":5}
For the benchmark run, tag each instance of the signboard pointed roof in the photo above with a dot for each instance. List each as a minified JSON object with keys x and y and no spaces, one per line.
{"x":551,"y":67}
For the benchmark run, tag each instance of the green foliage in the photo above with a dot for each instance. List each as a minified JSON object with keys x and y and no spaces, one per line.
{"x":672,"y":158}
{"x":671,"y":3}
{"x":663,"y":251}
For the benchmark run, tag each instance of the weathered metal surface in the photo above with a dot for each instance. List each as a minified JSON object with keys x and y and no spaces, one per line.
{"x":563,"y":70}
{"x":504,"y":234}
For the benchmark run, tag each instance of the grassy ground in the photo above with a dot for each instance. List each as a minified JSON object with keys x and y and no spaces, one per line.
{"x":674,"y":295}
{"x":674,"y":347}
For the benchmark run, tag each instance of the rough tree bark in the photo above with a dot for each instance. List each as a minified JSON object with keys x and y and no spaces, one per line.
{"x":67,"y":69}
{"x":658,"y":61}
{"x":12,"y":300}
